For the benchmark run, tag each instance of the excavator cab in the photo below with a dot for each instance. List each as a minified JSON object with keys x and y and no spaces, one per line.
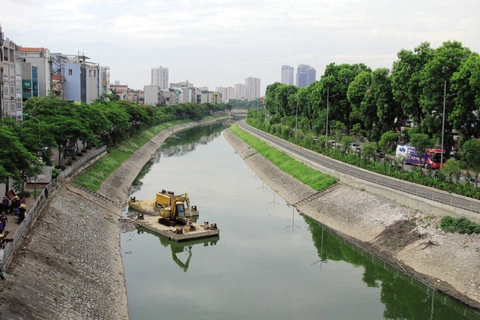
{"x":180,"y":209}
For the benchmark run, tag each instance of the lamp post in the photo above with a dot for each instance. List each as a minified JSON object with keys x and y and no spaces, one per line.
{"x":296,"y":118}
{"x":443,"y":120}
{"x":443,"y":116}
{"x":326,"y":122}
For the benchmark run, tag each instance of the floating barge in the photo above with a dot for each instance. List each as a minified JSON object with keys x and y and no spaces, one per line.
{"x":173,"y":232}
{"x":171,"y":216}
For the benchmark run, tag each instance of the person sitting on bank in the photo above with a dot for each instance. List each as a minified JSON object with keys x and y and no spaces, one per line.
{"x":15,"y":204}
{"x":22,"y":212}
{"x":5,"y":203}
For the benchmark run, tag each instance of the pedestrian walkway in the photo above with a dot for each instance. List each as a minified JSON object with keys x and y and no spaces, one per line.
{"x":12,"y":225}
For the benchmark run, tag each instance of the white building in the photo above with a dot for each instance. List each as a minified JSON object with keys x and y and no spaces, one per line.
{"x":239,"y":92}
{"x":11,"y":80}
{"x":41,"y":58}
{"x":152,"y":96}
{"x":252,"y":88}
{"x":226,"y":92}
{"x":287,"y":75}
{"x":160,"y":77}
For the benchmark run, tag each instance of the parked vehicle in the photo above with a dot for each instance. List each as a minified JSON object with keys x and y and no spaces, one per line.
{"x":355,"y":148}
{"x":431,"y":159}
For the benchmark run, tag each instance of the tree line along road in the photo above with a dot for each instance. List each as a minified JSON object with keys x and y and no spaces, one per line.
{"x":406,"y":187}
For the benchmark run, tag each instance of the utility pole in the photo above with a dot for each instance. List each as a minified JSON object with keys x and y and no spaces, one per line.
{"x":326,"y":122}
{"x":443,"y":121}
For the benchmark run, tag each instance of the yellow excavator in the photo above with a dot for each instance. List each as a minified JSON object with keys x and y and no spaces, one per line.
{"x":174,"y":209}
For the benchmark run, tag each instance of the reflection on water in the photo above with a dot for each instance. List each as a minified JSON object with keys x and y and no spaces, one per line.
{"x":272,"y":262}
{"x":182,"y":247}
{"x":403,"y":296}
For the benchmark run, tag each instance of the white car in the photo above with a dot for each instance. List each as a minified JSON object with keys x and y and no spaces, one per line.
{"x":355,"y":147}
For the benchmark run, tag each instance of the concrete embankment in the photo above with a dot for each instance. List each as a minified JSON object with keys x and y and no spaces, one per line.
{"x":70,"y":265}
{"x":417,"y":247}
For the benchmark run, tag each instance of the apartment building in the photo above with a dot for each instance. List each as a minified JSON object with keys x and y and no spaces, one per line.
{"x":252,"y":88}
{"x":159,"y":77}
{"x":11,"y":104}
{"x":287,"y":75}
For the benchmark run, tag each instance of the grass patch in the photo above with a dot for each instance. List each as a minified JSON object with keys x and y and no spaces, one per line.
{"x":287,"y":164}
{"x":96,"y":174}
{"x":459,"y":225}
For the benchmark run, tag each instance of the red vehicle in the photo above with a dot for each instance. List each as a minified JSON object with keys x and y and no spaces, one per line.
{"x":434,"y":159}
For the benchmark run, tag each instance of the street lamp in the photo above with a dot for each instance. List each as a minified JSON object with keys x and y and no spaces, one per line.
{"x":443,"y":120}
{"x":443,"y":117}
{"x":326,"y":122}
{"x":296,"y":118}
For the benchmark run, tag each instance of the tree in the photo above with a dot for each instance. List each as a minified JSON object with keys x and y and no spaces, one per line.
{"x":357,"y":92}
{"x":436,"y":79}
{"x":466,"y":104}
{"x":452,"y":168}
{"x":15,"y":160}
{"x":336,"y":80}
{"x":387,"y":141}
{"x":471,"y":155}
{"x":406,"y":77}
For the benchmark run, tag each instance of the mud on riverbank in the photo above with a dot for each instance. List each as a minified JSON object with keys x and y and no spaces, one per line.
{"x":405,"y":237}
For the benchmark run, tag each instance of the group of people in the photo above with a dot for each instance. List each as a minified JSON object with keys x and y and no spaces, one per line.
{"x":15,"y":207}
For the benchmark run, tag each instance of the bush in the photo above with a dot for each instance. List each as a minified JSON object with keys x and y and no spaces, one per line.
{"x":459,"y":225}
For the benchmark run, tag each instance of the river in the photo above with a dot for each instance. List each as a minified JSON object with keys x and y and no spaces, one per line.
{"x":269,"y":262}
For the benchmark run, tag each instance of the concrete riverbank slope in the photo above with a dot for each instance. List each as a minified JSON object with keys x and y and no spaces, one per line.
{"x":70,"y":266}
{"x":407,"y":238}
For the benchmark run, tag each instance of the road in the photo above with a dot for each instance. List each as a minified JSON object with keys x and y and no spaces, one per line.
{"x":418,"y":190}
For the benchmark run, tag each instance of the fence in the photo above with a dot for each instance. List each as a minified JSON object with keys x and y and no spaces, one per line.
{"x":37,"y":207}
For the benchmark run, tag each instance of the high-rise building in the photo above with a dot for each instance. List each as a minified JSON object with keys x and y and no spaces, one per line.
{"x":226,"y":92}
{"x":287,"y":74}
{"x":252,"y":88}
{"x":240,"y":93}
{"x":160,"y":77}
{"x":305,"y":75}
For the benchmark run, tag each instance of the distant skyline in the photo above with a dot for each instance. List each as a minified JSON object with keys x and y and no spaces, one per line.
{"x":220,"y":43}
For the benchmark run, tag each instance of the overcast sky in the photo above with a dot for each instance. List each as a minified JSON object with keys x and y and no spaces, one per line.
{"x":221,"y":42}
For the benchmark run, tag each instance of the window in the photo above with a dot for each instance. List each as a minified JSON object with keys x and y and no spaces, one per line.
{"x":70,"y":72}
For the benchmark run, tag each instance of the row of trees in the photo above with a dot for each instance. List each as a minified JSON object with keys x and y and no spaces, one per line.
{"x":421,"y":83}
{"x":50,"y":122}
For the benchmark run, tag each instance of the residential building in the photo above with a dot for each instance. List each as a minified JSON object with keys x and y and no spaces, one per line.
{"x":152,"y":95}
{"x":287,"y":75}
{"x":306,"y":75}
{"x":160,"y":77}
{"x":104,"y":80}
{"x":252,"y":88}
{"x":11,"y":80}
{"x":240,"y":91}
{"x":76,"y":79}
{"x":120,"y":89}
{"x":29,"y":81}
{"x":226,"y":92}
{"x":1,"y":72}
{"x":41,"y":58}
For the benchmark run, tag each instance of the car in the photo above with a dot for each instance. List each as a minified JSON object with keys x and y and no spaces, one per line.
{"x":355,"y":147}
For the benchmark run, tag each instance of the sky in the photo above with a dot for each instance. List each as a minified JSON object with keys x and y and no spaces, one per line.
{"x":218,"y":43}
